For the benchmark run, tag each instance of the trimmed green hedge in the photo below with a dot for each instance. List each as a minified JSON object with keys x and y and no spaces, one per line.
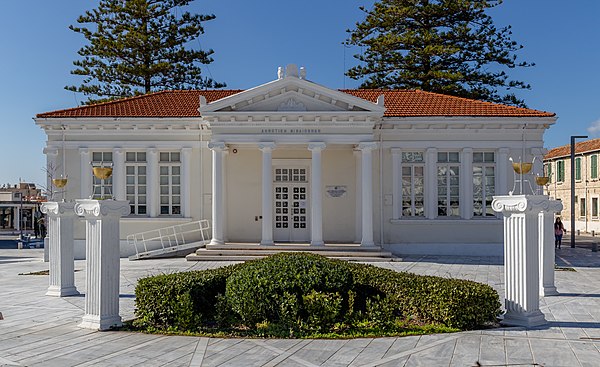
{"x":299,"y":294}
{"x":180,"y":301}
{"x":290,"y":289}
{"x":456,"y":303}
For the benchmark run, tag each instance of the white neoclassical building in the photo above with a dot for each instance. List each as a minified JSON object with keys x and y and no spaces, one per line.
{"x":294,"y":161}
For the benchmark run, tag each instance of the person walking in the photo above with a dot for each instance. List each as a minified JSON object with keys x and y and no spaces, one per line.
{"x":559,"y":231}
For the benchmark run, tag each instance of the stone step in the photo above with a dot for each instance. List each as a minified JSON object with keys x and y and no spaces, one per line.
{"x":294,"y":247}
{"x":219,"y":257}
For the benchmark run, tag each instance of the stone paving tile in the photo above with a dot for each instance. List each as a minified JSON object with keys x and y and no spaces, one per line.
{"x":492,"y":351}
{"x":466,"y":351}
{"x":347,"y":353}
{"x":375,"y":350}
{"x":318,"y":351}
{"x":547,"y":353}
{"x":518,"y":351}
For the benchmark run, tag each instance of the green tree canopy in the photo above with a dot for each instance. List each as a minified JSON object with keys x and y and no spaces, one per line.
{"x":443,"y":46}
{"x":140,"y":46}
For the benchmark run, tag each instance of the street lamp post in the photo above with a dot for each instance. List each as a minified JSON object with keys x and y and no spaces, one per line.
{"x":573,"y":137}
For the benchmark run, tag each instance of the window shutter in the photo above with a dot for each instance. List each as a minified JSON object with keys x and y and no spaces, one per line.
{"x":594,"y":173}
{"x":578,"y":168}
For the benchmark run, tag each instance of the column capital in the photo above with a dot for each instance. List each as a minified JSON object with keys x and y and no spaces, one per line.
{"x":218,"y":146}
{"x":51,"y":151}
{"x":396,"y":151}
{"x":152,"y":150}
{"x":503,"y":150}
{"x":467,"y":150}
{"x":316,"y":146}
{"x":95,"y":208}
{"x":431,"y":150}
{"x":367,"y":145}
{"x":53,"y":208}
{"x":84,"y":150}
{"x":118,"y":150}
{"x":267,"y":146}
{"x":525,"y":204}
{"x":186,"y":150}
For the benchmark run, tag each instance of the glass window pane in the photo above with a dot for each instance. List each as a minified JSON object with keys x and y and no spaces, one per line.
{"x":142,"y":180}
{"x":453,"y":157}
{"x":142,"y":199}
{"x":130,"y":170}
{"x":130,"y":157}
{"x":175,"y":157}
{"x":164,"y":157}
{"x":96,"y":156}
{"x":142,"y":189}
{"x":142,"y":170}
{"x":164,"y":210}
{"x":142,"y":209}
{"x":130,"y":180}
{"x":141,"y":157}
{"x":478,"y":157}
{"x":406,"y":171}
{"x":175,"y":170}
{"x":419,"y":171}
{"x":164,"y":190}
{"x":164,"y":200}
{"x":176,"y":190}
{"x":442,"y":157}
{"x":131,"y":189}
{"x":176,"y":199}
{"x":164,"y":170}
{"x":164,"y":180}
{"x":175,"y":180}
{"x":489,"y":157}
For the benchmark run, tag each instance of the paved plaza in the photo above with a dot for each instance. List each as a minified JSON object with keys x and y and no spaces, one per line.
{"x":39,"y":330}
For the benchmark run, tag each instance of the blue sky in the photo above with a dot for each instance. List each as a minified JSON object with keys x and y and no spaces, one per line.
{"x":252,"y":38}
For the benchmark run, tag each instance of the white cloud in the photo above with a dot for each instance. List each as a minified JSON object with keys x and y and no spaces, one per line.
{"x":594,"y":128}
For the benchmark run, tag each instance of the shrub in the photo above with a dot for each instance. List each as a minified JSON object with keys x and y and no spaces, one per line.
{"x":181,"y":301}
{"x":287,"y":287}
{"x":455,"y":303}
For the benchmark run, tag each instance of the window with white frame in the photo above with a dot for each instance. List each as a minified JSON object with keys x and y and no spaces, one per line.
{"x":448,"y":183}
{"x":582,"y":207}
{"x":484,"y":183}
{"x":413,"y":184}
{"x":169,"y":166}
{"x":102,"y":188}
{"x":135,"y":173}
{"x":594,"y":207}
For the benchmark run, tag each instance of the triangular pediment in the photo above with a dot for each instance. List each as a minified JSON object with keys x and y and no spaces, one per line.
{"x":291,"y":95}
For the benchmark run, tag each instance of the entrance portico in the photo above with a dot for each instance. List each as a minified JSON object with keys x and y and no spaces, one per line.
{"x":291,"y":146}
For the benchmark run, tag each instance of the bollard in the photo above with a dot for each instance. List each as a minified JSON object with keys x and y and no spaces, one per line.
{"x":578,"y":232}
{"x":594,"y":246}
{"x":593,"y":233}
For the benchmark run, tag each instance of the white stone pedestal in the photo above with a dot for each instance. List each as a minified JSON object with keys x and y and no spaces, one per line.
{"x":521,"y":257}
{"x":60,"y":248}
{"x":102,"y":261}
{"x":546,"y":245}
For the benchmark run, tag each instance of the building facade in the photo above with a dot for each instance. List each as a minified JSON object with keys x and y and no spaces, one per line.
{"x":294,"y":161}
{"x":19,"y":207}
{"x":557,"y":166}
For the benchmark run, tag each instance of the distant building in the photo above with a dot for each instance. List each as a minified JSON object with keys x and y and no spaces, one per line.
{"x":557,"y":165}
{"x":19,"y":201}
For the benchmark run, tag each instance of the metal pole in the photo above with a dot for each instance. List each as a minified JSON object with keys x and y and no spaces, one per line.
{"x":573,"y":137}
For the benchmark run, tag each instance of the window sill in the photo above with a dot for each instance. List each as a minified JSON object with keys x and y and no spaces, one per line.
{"x":133,"y":218}
{"x":440,"y":221}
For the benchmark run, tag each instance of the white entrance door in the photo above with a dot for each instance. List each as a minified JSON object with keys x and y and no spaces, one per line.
{"x":291,"y":213}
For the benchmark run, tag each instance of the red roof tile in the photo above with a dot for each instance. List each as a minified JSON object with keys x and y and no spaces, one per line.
{"x":581,"y":147}
{"x":399,"y":103}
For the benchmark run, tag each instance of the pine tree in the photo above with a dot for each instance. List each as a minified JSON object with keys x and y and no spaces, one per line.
{"x":443,"y":46}
{"x":139,"y":46}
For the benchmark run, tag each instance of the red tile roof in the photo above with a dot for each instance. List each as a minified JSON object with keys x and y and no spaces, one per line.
{"x":399,"y":103}
{"x":581,"y":147}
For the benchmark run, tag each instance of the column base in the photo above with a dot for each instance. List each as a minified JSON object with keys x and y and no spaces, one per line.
{"x":56,"y":291}
{"x":267,"y":242}
{"x":216,"y":242}
{"x":95,"y":322}
{"x":548,"y":291}
{"x":367,"y":244}
{"x":526,"y":319}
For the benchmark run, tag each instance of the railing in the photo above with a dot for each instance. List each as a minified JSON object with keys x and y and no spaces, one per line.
{"x":170,"y":237}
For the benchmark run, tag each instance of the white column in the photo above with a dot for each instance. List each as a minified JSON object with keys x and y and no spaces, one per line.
{"x":431,"y":194}
{"x":118,"y":175}
{"x":186,"y":183}
{"x":316,"y":194}
{"x":17,"y":218}
{"x":521,"y":257}
{"x":85,"y":173}
{"x":367,"y":192}
{"x":396,"y":183}
{"x":358,"y":214}
{"x":466,"y":183}
{"x":218,"y":197}
{"x":546,"y":246}
{"x":502,"y":165}
{"x":152,"y":186}
{"x":102,"y":245}
{"x":60,"y":248}
{"x":267,"y":192}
